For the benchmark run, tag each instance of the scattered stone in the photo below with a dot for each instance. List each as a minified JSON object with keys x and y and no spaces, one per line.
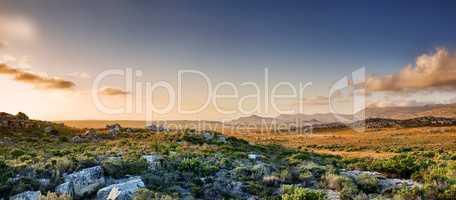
{"x":388,"y":184}
{"x":121,"y":191}
{"x":155,"y":128}
{"x":207,"y":137}
{"x":86,"y":181}
{"x":77,"y":140}
{"x":114,"y":129}
{"x":29,"y":195}
{"x":221,"y":139}
{"x":331,"y":195}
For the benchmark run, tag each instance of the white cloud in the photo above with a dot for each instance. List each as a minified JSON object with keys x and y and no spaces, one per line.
{"x":431,"y":71}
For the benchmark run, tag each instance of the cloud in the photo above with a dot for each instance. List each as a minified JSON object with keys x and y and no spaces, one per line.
{"x":397,"y":103}
{"x":109,"y":91}
{"x":431,"y":71}
{"x":16,"y":28}
{"x":82,"y":75}
{"x":39,"y":81}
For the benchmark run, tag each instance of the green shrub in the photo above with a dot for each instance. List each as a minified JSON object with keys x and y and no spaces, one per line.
{"x":291,"y":192}
{"x":366,"y":183}
{"x":343,"y":184}
{"x":196,"y":166}
{"x":120,"y":168}
{"x":406,"y":193}
{"x":403,"y":166}
{"x":54,"y":196}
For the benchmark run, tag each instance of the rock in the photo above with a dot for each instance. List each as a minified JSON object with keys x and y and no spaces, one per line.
{"x":207,"y":137}
{"x":355,"y":173}
{"x":44,"y":183}
{"x":331,"y":195}
{"x":121,"y":191}
{"x":91,"y":133}
{"x":155,"y":128}
{"x":385,"y":184}
{"x":260,"y":170}
{"x":388,"y":184}
{"x":65,"y":189}
{"x":86,"y":181}
{"x":29,"y":195}
{"x":114,"y":129}
{"x":77,"y":140}
{"x":48,"y":129}
{"x":153,"y":161}
{"x":224,"y":186}
{"x":254,"y":156}
{"x":221,"y":139}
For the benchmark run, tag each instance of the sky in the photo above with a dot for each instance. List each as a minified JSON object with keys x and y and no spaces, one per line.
{"x":52,"y":51}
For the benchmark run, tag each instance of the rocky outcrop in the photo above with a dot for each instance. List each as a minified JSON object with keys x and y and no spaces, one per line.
{"x":20,"y":121}
{"x":153,"y":161}
{"x":114,"y":129}
{"x":385,"y":184}
{"x":29,"y":195}
{"x":84,"y":182}
{"x":120,"y":191}
{"x":65,"y":189}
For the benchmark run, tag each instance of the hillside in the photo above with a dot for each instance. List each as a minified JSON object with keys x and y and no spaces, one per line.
{"x":176,"y":124}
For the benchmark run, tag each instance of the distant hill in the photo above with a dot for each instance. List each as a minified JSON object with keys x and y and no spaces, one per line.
{"x":438,"y":110}
{"x":181,"y":124}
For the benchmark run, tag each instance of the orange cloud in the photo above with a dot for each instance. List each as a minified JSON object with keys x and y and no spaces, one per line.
{"x":431,"y":71}
{"x":109,"y":91}
{"x":36,"y":80}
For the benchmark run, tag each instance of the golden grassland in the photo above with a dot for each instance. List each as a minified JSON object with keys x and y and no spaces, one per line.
{"x":376,"y":143}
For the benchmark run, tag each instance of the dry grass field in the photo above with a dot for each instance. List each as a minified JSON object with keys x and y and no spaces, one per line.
{"x":378,"y":143}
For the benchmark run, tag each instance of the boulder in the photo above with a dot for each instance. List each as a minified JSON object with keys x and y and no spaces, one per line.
{"x":77,"y":140}
{"x":153,"y":161}
{"x":221,"y":139}
{"x":65,"y":189}
{"x":86,"y":181}
{"x":121,"y":191}
{"x":393,"y":183}
{"x":29,"y":195}
{"x":114,"y":129}
{"x":207,"y":137}
{"x":254,"y":156}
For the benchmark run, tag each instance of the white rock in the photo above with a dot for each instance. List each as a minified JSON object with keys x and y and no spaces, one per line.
{"x":86,"y":181}
{"x":121,"y":191}
{"x":29,"y":195}
{"x":153,"y":160}
{"x":254,"y":156}
{"x":65,"y":189}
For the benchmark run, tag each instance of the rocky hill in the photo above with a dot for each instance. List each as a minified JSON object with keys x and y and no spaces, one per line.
{"x":21,"y":121}
{"x":387,"y":123}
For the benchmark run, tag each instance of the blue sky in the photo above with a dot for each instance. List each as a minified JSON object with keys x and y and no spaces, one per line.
{"x":318,"y":41}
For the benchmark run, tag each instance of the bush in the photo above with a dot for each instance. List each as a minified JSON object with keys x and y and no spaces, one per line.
{"x":403,"y":166}
{"x":196,"y":166}
{"x":343,"y":184}
{"x":120,"y":168}
{"x":291,"y":192}
{"x":54,"y":196}
{"x":366,"y":183}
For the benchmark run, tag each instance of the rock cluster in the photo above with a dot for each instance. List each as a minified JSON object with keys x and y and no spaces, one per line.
{"x":20,"y":121}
